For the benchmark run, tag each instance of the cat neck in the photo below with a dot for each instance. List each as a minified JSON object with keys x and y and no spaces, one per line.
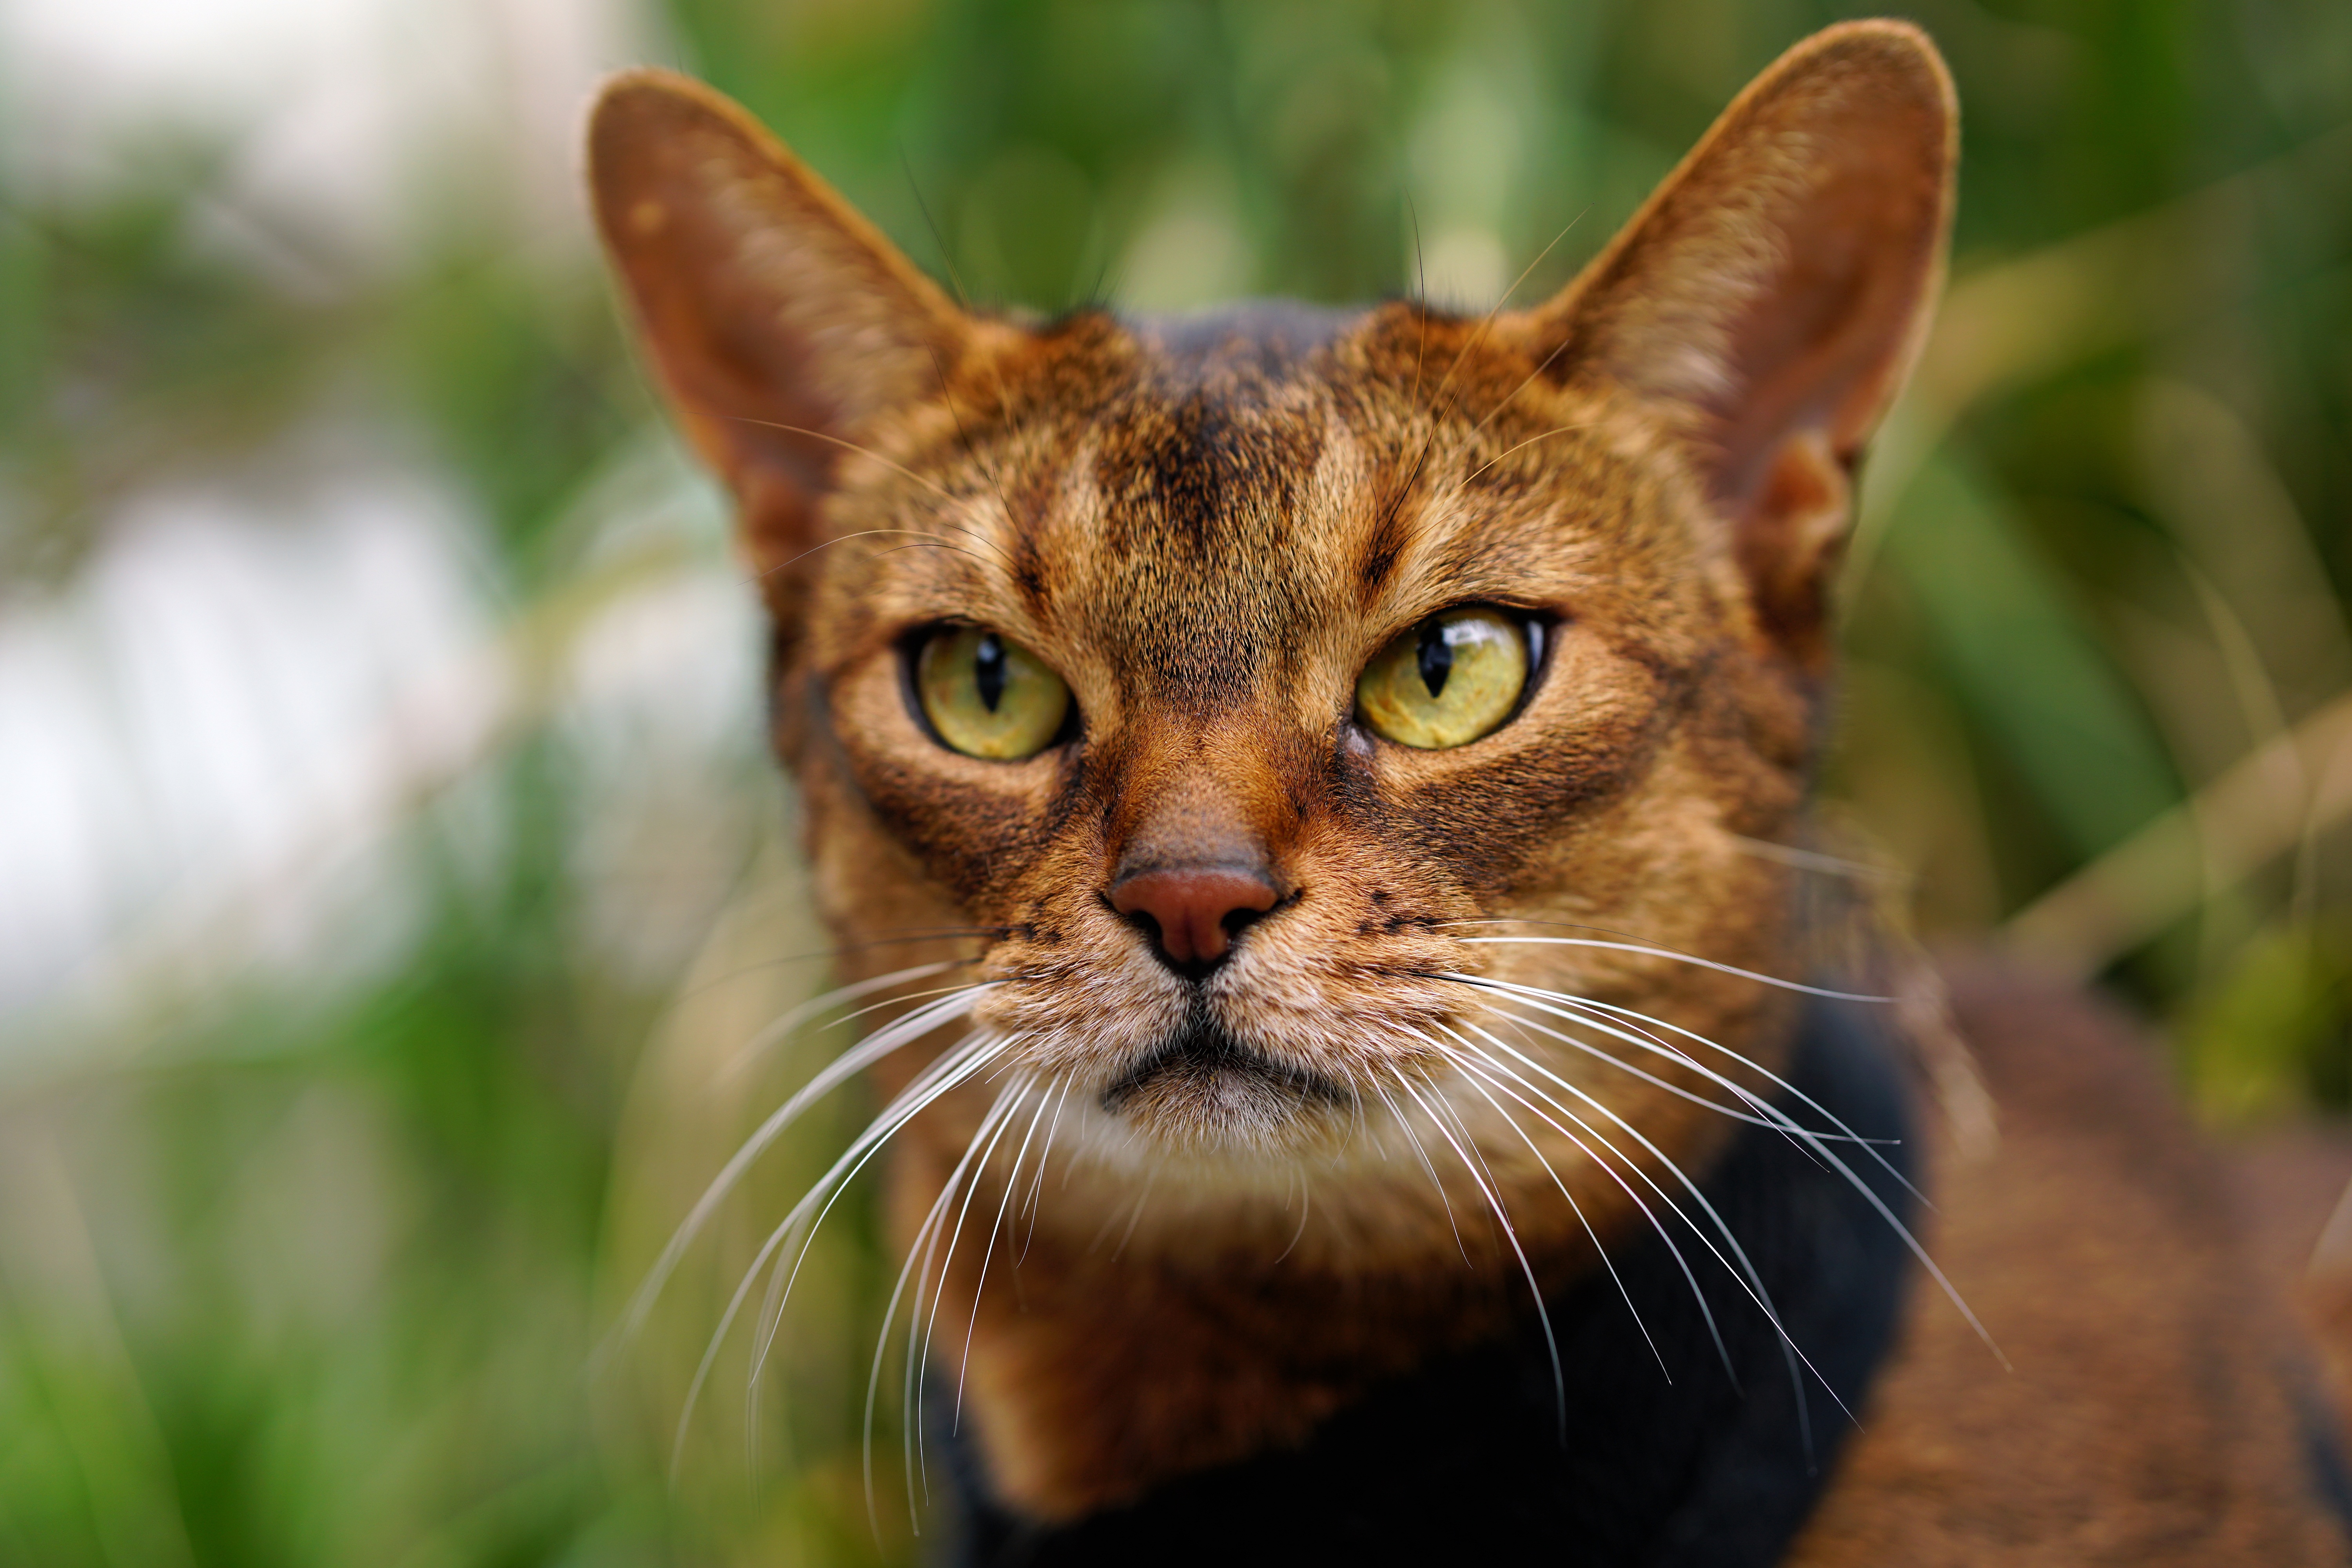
{"x":1685,"y":1427}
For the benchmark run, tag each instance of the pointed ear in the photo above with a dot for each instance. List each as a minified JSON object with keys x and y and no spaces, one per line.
{"x":783,"y":325}
{"x":1772,"y":296}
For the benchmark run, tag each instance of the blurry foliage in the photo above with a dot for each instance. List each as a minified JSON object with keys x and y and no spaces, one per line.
{"x":317,"y":1279}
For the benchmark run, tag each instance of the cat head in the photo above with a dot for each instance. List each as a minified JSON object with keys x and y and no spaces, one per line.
{"x":1274,"y":702}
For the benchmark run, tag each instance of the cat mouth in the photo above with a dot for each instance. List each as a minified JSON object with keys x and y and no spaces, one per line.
{"x":1205,"y":1063}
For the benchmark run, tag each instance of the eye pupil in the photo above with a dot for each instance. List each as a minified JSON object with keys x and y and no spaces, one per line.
{"x":1448,"y":680}
{"x":1436,"y":657}
{"x":986,"y":695}
{"x":988,"y":671}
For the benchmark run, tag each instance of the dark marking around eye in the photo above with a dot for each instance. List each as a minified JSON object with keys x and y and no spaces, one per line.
{"x":1436,"y":657}
{"x":1382,"y":551}
{"x":988,"y":671}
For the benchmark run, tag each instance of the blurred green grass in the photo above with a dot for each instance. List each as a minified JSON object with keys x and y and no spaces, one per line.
{"x":317,"y":1274}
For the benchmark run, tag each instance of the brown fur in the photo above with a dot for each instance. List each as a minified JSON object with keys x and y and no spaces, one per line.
{"x":1206,"y":528}
{"x":2147,"y":1420}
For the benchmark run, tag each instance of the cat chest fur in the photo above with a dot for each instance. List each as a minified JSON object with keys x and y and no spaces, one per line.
{"x":1303,"y":775}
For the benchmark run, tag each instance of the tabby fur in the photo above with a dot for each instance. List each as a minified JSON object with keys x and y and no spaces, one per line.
{"x":1206,"y":525}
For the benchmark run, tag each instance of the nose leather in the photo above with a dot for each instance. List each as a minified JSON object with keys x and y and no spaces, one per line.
{"x":1194,"y":907}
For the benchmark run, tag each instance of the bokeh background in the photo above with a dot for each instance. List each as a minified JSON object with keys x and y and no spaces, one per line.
{"x":390,"y":875}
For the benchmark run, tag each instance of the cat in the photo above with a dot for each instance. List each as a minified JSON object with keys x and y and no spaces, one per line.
{"x":1341,"y":767}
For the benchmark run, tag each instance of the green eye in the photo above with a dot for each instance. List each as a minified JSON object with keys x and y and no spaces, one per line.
{"x":1452,"y":679}
{"x":987,"y":695}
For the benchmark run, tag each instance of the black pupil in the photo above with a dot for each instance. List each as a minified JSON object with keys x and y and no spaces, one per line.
{"x":988,"y":671}
{"x":1436,"y":657}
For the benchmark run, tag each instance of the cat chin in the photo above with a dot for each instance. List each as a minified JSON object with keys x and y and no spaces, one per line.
{"x":1241,"y":1124}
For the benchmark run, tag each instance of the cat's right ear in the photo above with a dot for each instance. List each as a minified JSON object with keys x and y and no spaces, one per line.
{"x":785,"y":328}
{"x":1768,"y":300}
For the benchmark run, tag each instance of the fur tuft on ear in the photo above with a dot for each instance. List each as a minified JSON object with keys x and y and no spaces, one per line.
{"x":784,"y":327}
{"x":1773,"y":293}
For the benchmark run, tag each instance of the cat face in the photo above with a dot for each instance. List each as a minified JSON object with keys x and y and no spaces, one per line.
{"x":1209,"y":549}
{"x":1291,"y":709}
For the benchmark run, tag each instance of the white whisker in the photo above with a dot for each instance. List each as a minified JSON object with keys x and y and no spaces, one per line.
{"x":1848,"y":1133}
{"x":1428,"y":1168}
{"x":1677,"y":957}
{"x":1576,"y":1208}
{"x":1745,"y":1274}
{"x":988,"y":1253}
{"x":1817,"y":1143}
{"x":782,"y":1029}
{"x":1306,"y":1208}
{"x":1018,"y":1089}
{"x":890,"y":1315}
{"x":1035,"y":1200}
{"x":952,"y":1069}
{"x":1511,"y":1235}
{"x":1605,"y":1018}
{"x":927,"y":1242}
{"x":842,"y":1068}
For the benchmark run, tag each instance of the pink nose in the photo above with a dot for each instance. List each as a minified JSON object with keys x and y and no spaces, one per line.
{"x":1195,"y":908}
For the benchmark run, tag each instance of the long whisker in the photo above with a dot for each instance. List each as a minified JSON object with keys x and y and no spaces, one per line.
{"x":1427,"y":1169}
{"x":764,"y":1328}
{"x":1605,"y":1021}
{"x":952,"y":1069}
{"x":1814,"y":860}
{"x":1472,"y":477}
{"x":760,"y":1358}
{"x":890,"y":1315}
{"x":1731,"y":1112}
{"x":1773,"y":1117}
{"x":1019,"y":1089}
{"x":925,"y":541}
{"x":1583,"y":1010}
{"x":809,"y":955}
{"x":782,"y":1029}
{"x":1819,"y":1143}
{"x":1820,"y":1146}
{"x":1605,"y":1110}
{"x":1429,"y":441}
{"x":1779,"y":1120}
{"x":1151,"y":1179}
{"x":1306,"y":1210}
{"x":1421,"y":294}
{"x":1038,"y":1186}
{"x":912,"y":1364}
{"x":772,"y":1310}
{"x":1440,"y":1106}
{"x":1488,"y":323}
{"x":1743,"y":1271}
{"x":1677,"y":957}
{"x":842,"y":1068}
{"x":988,"y":1253}
{"x":937,"y":1080}
{"x":1510,"y":1234}
{"x":770,"y":1315}
{"x":1469,"y":1065}
{"x":925,"y":1244}
{"x":1746,"y":1274}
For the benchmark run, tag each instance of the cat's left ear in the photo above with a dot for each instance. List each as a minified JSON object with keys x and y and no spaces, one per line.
{"x":785,"y":329}
{"x":1771,"y":297}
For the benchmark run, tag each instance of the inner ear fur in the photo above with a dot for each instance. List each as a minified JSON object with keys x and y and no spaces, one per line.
{"x":785,"y":328}
{"x":1771,"y":297}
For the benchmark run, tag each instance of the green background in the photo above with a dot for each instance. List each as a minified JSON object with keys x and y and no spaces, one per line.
{"x":317,"y":1274}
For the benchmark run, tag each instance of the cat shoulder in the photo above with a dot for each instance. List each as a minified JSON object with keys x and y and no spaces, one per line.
{"x":2156,"y":1406}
